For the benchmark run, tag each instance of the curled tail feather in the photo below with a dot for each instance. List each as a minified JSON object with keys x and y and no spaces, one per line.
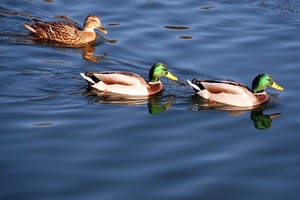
{"x":29,"y":27}
{"x":90,"y":78}
{"x":197,"y":86}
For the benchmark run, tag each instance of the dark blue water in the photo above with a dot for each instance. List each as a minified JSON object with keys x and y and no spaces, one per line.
{"x":61,"y":140}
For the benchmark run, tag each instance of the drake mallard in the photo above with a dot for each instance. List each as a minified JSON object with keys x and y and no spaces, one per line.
{"x":65,"y":32}
{"x":129,"y":83}
{"x":233,"y":93}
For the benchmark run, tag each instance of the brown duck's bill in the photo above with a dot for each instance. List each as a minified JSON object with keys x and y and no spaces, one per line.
{"x":171,"y":76}
{"x":103,"y":30}
{"x":277,"y":87}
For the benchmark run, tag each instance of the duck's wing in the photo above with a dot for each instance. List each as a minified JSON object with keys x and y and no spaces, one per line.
{"x":58,"y":28}
{"x":120,"y":78}
{"x":228,"y":87}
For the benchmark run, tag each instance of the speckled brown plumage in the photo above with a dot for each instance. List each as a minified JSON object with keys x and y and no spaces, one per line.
{"x":65,"y":32}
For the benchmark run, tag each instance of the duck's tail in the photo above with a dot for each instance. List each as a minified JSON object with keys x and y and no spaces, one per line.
{"x":196,"y":85}
{"x":90,"y":78}
{"x":29,"y":27}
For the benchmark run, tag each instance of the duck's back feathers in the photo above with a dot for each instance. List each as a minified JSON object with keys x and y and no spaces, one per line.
{"x":229,"y":87}
{"x":123,"y":78}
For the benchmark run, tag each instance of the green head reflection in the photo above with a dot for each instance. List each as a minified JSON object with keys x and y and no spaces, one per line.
{"x":156,"y":107}
{"x":261,"y":121}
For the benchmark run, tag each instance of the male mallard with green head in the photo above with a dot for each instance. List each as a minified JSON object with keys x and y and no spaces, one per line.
{"x":233,"y":93}
{"x":65,"y":32}
{"x":129,"y":83}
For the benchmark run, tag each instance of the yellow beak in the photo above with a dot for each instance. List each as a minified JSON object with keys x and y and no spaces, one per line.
{"x":277,"y":87}
{"x":171,"y":76}
{"x":274,"y":115}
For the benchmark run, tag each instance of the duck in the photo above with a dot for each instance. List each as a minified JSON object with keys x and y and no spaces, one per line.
{"x":234,"y":93}
{"x":128,"y":83}
{"x":65,"y":32}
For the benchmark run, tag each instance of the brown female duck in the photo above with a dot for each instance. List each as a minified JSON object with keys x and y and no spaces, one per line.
{"x":65,"y":32}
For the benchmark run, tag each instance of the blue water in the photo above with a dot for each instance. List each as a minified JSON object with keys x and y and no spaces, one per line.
{"x":61,"y":140}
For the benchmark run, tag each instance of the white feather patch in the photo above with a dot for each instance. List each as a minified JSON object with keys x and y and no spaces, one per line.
{"x":87,"y":78}
{"x":193,"y":85}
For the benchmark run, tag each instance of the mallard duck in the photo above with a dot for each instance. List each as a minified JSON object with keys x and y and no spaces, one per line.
{"x":65,"y":32}
{"x":129,"y":83}
{"x":233,"y":93}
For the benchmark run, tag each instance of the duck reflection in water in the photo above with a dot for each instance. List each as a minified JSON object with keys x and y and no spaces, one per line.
{"x":157,"y":103}
{"x":87,"y":51}
{"x":261,"y":121}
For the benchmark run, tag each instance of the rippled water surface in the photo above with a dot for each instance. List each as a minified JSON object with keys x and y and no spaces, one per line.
{"x":62,"y":140}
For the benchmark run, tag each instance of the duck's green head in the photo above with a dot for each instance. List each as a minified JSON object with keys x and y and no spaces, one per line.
{"x":159,"y":70}
{"x":262,"y":81}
